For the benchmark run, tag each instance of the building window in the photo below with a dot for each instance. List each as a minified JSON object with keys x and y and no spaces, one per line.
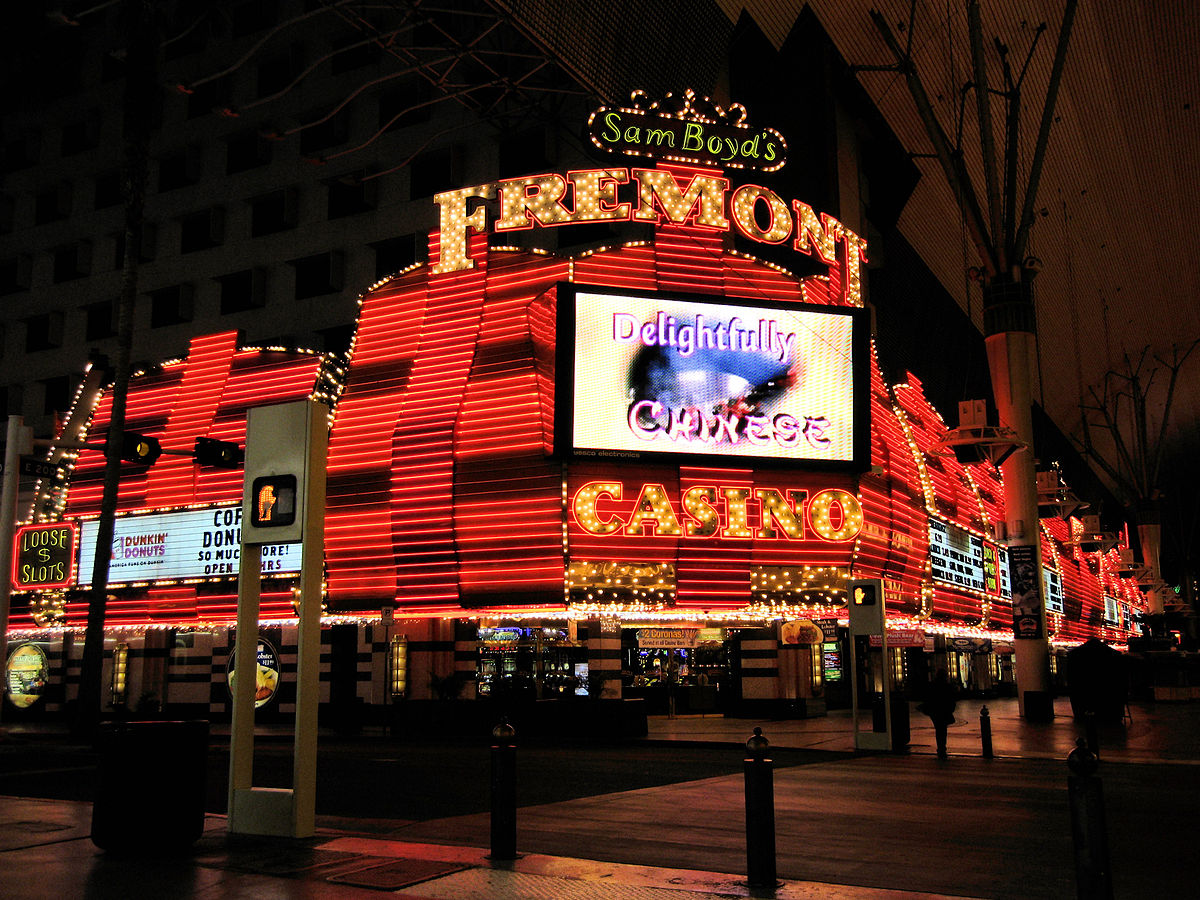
{"x":15,"y":272}
{"x":52,"y":204}
{"x":43,"y":332}
{"x":243,"y":290}
{"x":209,"y":97}
{"x":322,"y":132}
{"x":72,"y":261}
{"x":171,"y":306}
{"x":318,"y":274}
{"x":357,"y":54}
{"x":273,"y":212}
{"x":22,"y":152}
{"x":276,"y":72}
{"x":202,"y":230}
{"x":120,"y":665}
{"x":398,"y":666}
{"x":56,"y":395}
{"x":12,"y":399}
{"x":405,"y":106}
{"x":253,"y":15}
{"x":146,"y":248}
{"x":349,"y":196}
{"x":179,"y":169}
{"x":81,"y":136}
{"x":108,"y":190}
{"x":100,"y":320}
{"x":245,"y":152}
{"x":394,"y":254}
{"x":432,"y":173}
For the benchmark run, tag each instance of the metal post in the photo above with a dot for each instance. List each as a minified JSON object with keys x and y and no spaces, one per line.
{"x":1090,"y":732}
{"x":20,"y":440}
{"x":1093,"y":874}
{"x":985,"y":732}
{"x":504,"y":792}
{"x":760,"y":814}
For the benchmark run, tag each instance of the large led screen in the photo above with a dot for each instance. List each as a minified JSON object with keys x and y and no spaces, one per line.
{"x":666,"y":373}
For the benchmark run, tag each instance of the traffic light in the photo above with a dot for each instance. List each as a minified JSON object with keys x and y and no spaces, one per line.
{"x":140,"y":448}
{"x":218,"y":454}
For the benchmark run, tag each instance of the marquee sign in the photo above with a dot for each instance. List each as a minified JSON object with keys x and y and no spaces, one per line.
{"x":653,"y":196}
{"x":182,"y":545}
{"x":44,"y":556}
{"x":715,"y":511}
{"x":650,"y":374}
{"x":685,"y":133}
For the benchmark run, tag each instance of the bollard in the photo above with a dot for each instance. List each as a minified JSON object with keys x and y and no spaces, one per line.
{"x":1090,"y":732}
{"x":760,"y":814}
{"x":1089,"y":833}
{"x":985,"y":732}
{"x":504,"y":792}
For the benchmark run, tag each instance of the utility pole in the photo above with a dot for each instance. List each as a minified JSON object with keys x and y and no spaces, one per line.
{"x":141,"y":97}
{"x":20,"y":440}
{"x":999,"y":228}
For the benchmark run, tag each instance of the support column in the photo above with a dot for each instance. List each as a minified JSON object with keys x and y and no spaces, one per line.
{"x":1009,"y":325}
{"x":604,"y":658}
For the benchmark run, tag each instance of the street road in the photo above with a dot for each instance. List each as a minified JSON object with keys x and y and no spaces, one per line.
{"x":982,"y":828}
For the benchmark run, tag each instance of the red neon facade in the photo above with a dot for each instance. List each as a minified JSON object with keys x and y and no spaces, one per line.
{"x":443,"y":499}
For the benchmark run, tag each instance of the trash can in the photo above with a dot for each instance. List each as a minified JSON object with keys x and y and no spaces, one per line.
{"x":151,"y":786}
{"x":901,"y":725}
{"x":1039,"y":706}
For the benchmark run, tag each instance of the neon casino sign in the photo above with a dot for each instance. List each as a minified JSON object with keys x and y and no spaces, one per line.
{"x":718,"y":511}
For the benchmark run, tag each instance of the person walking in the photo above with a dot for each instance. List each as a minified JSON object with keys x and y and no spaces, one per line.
{"x":939,"y":706}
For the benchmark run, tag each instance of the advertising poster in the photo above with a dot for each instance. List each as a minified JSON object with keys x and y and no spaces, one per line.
{"x":1027,"y":599}
{"x":172,"y":546}
{"x":659,"y":374}
{"x":26,"y":675}
{"x":266,"y":676}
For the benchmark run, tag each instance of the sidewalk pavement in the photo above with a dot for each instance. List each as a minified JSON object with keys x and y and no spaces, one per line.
{"x":46,"y":851}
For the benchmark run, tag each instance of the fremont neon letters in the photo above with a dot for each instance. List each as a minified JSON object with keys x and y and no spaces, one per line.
{"x":592,"y":195}
{"x":711,"y":511}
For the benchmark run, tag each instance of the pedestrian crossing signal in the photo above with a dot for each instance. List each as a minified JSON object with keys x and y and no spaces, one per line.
{"x":273,"y":501}
{"x":865,"y":606}
{"x":864,"y":595}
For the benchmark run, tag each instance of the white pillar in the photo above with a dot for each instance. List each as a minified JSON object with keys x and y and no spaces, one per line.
{"x":1012,"y":356}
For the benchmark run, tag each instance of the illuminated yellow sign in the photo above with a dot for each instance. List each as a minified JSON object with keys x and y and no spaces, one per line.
{"x":654,"y":196}
{"x":707,"y":511}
